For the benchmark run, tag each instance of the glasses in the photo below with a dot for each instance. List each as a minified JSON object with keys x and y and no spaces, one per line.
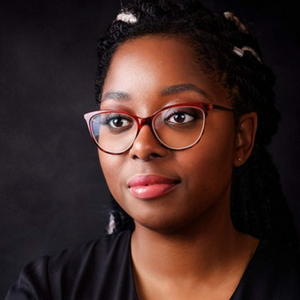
{"x":176,"y":127}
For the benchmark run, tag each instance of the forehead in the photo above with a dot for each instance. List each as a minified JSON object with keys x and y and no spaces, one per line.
{"x":147,"y":65}
{"x":157,"y":49}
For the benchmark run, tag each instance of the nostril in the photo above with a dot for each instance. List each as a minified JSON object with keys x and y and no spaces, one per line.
{"x":146,"y":158}
{"x":155,"y":155}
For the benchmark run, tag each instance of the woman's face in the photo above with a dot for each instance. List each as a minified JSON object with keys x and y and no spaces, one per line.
{"x":163,"y":189}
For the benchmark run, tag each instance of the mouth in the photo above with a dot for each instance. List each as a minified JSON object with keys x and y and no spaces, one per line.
{"x":151,"y":186}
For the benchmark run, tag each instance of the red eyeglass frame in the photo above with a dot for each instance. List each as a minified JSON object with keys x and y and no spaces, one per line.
{"x":205,"y":107}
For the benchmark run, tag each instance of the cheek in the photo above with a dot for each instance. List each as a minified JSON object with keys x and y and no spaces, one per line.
{"x":210,"y":162}
{"x":208,"y":155}
{"x":110,"y":165}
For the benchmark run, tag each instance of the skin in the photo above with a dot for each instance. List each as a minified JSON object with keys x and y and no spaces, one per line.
{"x":185,"y":238}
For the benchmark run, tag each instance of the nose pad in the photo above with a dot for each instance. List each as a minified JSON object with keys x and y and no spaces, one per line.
{"x":146,"y":146}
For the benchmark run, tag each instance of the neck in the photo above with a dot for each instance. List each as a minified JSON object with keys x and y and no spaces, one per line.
{"x":195,"y":251}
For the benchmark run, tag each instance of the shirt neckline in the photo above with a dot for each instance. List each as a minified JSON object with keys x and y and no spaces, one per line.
{"x":260,"y":246}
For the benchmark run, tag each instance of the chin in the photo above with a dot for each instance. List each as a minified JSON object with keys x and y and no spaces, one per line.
{"x":163,"y":224}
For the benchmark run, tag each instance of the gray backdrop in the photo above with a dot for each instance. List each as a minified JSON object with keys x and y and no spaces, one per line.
{"x":52,"y":192}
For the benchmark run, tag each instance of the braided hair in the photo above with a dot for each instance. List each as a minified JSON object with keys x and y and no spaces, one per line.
{"x":228,"y":51}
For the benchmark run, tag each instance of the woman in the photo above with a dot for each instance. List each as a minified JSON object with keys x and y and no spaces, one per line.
{"x":186,"y":113}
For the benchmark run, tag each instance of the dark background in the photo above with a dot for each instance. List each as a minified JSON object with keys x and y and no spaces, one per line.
{"x":52,"y":191}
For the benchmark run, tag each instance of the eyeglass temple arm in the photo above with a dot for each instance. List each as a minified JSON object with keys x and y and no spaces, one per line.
{"x":215,"y":106}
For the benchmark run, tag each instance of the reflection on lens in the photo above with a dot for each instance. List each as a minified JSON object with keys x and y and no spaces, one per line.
{"x":114,"y":132}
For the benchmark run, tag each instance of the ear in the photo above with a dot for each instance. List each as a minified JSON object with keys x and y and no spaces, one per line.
{"x":245,"y":136}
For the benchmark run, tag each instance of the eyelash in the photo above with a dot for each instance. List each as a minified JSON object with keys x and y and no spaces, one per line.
{"x":182,"y":113}
{"x":108,"y":119}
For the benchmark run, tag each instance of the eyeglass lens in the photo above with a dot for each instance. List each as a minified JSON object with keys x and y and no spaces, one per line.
{"x":177,"y":128}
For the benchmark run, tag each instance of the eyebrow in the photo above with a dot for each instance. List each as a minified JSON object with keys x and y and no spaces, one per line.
{"x":171,"y":90}
{"x":116,"y":95}
{"x":179,"y":88}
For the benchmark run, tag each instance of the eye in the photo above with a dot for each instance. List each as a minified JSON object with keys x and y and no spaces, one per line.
{"x":117,"y":122}
{"x":180,"y":118}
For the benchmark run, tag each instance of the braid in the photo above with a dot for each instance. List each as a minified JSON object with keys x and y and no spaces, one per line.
{"x":118,"y":219}
{"x":228,"y":51}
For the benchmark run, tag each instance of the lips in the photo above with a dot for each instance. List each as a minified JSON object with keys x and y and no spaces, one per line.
{"x":151,"y":186}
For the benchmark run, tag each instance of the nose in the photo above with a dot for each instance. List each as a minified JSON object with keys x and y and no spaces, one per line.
{"x":146,"y":146}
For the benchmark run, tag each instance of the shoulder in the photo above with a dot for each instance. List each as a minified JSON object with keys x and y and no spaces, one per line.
{"x":58,"y":276}
{"x":275,"y":260}
{"x":273,"y":273}
{"x":92,"y":253}
{"x":32,"y":282}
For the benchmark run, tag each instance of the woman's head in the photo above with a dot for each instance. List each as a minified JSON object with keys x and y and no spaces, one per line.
{"x":228,"y":54}
{"x":161,"y":187}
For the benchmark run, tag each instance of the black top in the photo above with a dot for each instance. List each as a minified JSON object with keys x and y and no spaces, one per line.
{"x":101,"y":270}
